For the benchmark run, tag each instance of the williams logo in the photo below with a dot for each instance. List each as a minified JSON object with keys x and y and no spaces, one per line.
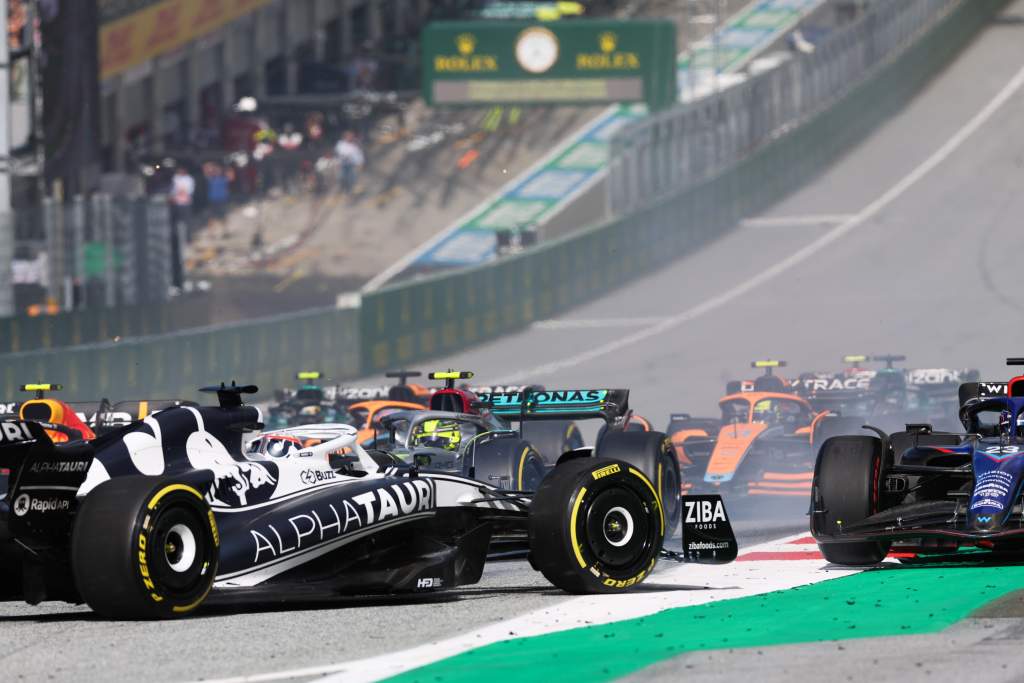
{"x":466,"y":61}
{"x":608,"y":57}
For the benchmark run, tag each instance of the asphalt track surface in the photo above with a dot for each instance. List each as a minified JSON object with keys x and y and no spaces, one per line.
{"x":933,"y":273}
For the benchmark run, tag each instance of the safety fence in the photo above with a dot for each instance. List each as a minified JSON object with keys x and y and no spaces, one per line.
{"x":267,"y":353}
{"x":662,"y":155}
{"x":435,"y":316}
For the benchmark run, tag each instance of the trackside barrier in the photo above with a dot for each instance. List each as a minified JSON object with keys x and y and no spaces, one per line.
{"x":267,"y":353}
{"x":441,"y":314}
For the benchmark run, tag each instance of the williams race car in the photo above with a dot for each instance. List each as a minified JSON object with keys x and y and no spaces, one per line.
{"x":932,"y":491}
{"x":168,"y":513}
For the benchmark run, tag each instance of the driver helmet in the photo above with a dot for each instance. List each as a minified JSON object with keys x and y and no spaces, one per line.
{"x":281,"y":445}
{"x":440,"y":434}
{"x":767,"y":411}
{"x":1005,"y":418}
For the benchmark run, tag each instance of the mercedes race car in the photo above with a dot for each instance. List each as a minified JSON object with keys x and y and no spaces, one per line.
{"x":169,"y":513}
{"x":761,"y":444}
{"x":484,"y":445}
{"x":930,"y":491}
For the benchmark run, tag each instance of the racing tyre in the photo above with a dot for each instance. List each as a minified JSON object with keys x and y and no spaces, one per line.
{"x":596,"y":526}
{"x":847,"y":488}
{"x":552,"y":438}
{"x":828,"y":427}
{"x":651,"y":453}
{"x":144,"y":548}
{"x":506,"y":463}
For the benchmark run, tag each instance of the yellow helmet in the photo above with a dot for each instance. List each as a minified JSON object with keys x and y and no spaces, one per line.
{"x":440,"y":434}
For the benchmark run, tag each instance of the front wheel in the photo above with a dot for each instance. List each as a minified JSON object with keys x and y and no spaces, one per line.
{"x":596,"y":526}
{"x":847,"y":489}
{"x":144,"y":548}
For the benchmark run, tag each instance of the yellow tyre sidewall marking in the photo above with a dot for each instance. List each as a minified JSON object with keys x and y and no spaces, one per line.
{"x":572,"y":527}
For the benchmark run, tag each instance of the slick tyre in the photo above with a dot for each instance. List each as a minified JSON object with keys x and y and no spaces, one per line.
{"x":651,"y":453}
{"x":847,"y":488}
{"x":507,"y":464}
{"x":596,"y":526}
{"x":144,"y":548}
{"x":552,"y":438}
{"x":828,"y":427}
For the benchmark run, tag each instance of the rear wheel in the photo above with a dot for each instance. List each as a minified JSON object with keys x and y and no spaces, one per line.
{"x":552,"y":438}
{"x":144,"y":548}
{"x":507,"y":463}
{"x":847,"y":489}
{"x":652,"y":454}
{"x":596,"y":526}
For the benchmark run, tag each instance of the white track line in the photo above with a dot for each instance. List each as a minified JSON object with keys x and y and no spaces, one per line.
{"x":794,"y":259}
{"x":577,"y":324}
{"x":685,"y":585}
{"x":795,"y":221}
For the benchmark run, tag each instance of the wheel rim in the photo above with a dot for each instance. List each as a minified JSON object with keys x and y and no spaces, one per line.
{"x":180,"y":548}
{"x":619,"y":529}
{"x":618,"y":526}
{"x":180,"y":551}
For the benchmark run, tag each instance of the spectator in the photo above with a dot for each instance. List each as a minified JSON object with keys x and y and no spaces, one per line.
{"x":350,"y":159}
{"x":183,"y":189}
{"x":217,"y":192}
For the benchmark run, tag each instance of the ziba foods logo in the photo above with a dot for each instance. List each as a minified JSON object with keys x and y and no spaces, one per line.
{"x":467,"y":60}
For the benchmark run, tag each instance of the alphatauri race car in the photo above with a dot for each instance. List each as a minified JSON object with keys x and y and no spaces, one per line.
{"x":933,"y":492}
{"x":169,"y":513}
{"x":761,"y":444}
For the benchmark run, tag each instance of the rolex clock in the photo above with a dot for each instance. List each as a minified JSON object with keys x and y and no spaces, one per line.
{"x":536,"y":49}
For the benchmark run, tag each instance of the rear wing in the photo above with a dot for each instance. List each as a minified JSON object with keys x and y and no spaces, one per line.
{"x":940,"y":378}
{"x":981,"y":390}
{"x":559,"y":404}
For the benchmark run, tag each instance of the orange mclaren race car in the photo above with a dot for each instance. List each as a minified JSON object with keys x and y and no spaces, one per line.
{"x":761,"y":444}
{"x":366,"y":416}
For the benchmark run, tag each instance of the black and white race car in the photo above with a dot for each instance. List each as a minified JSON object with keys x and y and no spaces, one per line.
{"x":169,"y":513}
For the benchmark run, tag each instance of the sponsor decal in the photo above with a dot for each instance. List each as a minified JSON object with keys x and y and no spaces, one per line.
{"x":21,"y":505}
{"x":361,"y":393}
{"x":9,"y":408}
{"x":60,"y":467}
{"x":14,"y":432}
{"x":706,"y":545}
{"x":605,"y":471}
{"x":25,"y":504}
{"x":567,"y":397}
{"x":704,"y":512}
{"x":341,"y":517}
{"x":984,"y":519}
{"x":466,"y":61}
{"x":243,"y":484}
{"x":707,"y":533}
{"x":933,"y":376}
{"x":311,"y":477}
{"x":430,"y":582}
{"x":609,"y":58}
{"x":859,"y":381}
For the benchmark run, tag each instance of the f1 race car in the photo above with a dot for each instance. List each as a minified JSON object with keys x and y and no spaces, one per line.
{"x":761,"y":445}
{"x":934,"y":491}
{"x":168,"y":513}
{"x":888,"y":397}
{"x":476,"y":437}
